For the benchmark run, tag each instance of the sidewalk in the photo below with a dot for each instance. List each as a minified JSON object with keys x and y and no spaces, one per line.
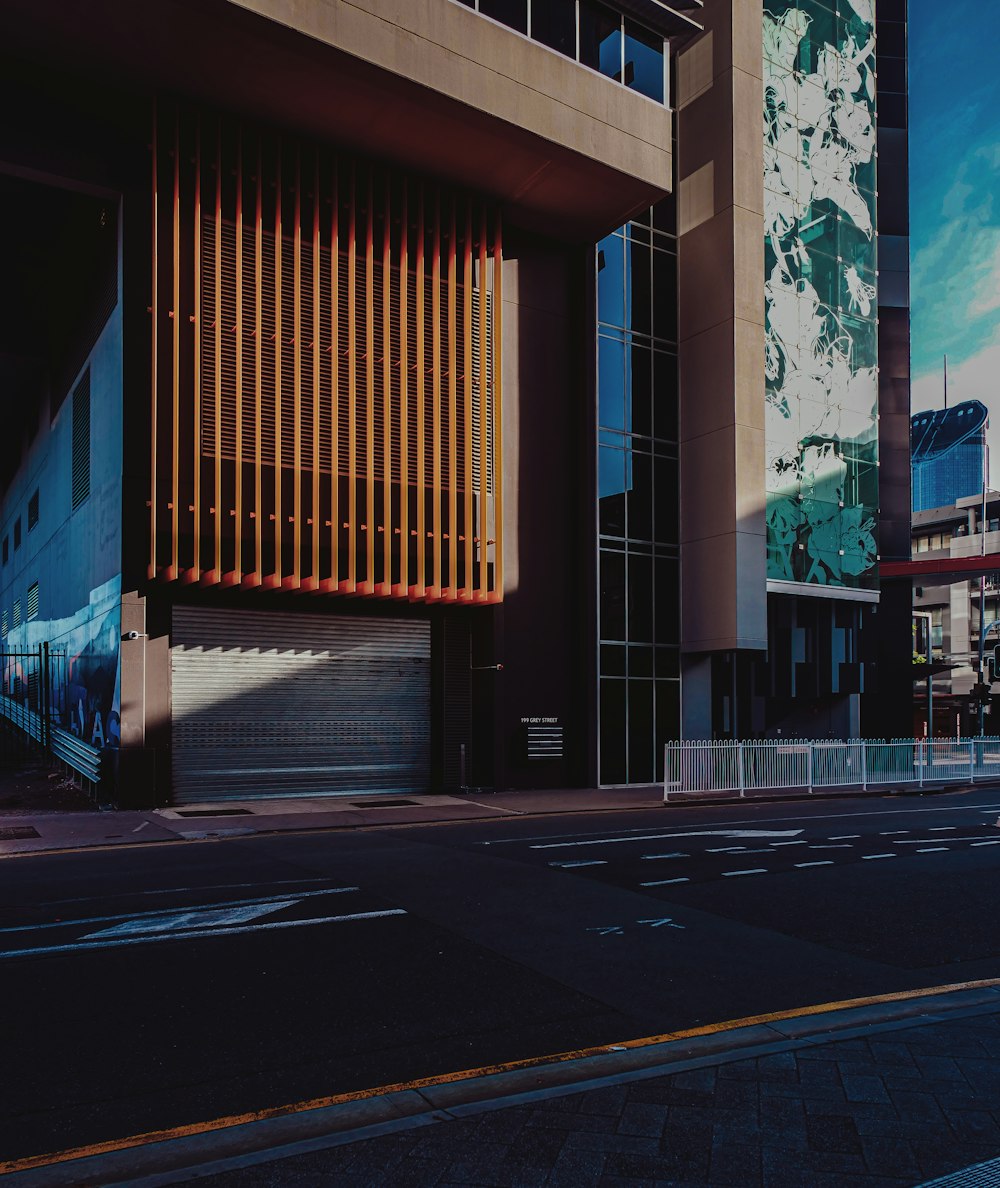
{"x":32,"y":832}
{"x":895,"y":1090}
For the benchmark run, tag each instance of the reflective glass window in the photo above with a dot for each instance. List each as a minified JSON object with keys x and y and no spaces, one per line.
{"x":638,"y":293}
{"x":612,"y":595}
{"x":611,"y":488}
{"x":513,"y":13}
{"x":639,"y":388}
{"x":640,"y":732}
{"x":612,"y":412}
{"x":639,"y":473}
{"x":553,"y":23}
{"x":601,"y":39}
{"x":640,"y":598}
{"x":611,"y":281}
{"x":613,"y":732}
{"x":644,"y":61}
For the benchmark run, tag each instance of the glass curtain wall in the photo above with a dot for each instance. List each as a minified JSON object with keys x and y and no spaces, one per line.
{"x":639,"y":586}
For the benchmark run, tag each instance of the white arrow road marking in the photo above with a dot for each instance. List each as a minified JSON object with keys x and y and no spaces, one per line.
{"x":610,"y":841}
{"x":608,"y":930}
{"x":666,"y":921}
{"x":203,"y":918}
{"x":158,"y":912}
{"x":160,"y":937}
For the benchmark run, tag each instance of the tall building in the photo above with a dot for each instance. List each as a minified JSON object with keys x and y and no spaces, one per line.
{"x":408,"y":396}
{"x":948,"y":454}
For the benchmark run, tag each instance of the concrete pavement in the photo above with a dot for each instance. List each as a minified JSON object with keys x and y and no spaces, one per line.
{"x":29,"y":832}
{"x":886,"y":1091}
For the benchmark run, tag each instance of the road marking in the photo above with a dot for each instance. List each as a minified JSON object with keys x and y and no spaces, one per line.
{"x":661,"y":923}
{"x":923,"y":840}
{"x":608,"y":930}
{"x":198,"y":918}
{"x":142,"y":825}
{"x":192,"y":1129}
{"x":853,"y":815}
{"x":794,"y":843}
{"x":894,"y":832}
{"x":986,"y":843}
{"x":610,"y":841}
{"x":664,"y":882}
{"x":216,"y":933}
{"x":728,"y":874}
{"x":941,"y":828}
{"x":165,"y":911}
{"x":658,"y":857}
{"x":846,"y":837}
{"x":571,"y":865}
{"x":827,"y":847}
{"x":932,"y":849}
{"x":803,"y":865}
{"x":179,"y":890}
{"x":870,"y":857}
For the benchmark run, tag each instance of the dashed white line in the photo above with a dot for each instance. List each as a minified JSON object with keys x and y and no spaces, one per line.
{"x":942,"y":828}
{"x":794,"y":843}
{"x":664,"y":882}
{"x":803,"y":865}
{"x":837,"y":847}
{"x":868,"y":857}
{"x":728,"y":874}
{"x":658,"y":857}
{"x":570,"y":865}
{"x":932,"y":849}
{"x":894,"y":832}
{"x":986,"y":843}
{"x":846,"y":837}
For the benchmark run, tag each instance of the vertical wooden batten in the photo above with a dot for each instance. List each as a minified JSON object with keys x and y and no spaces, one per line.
{"x":434,"y":592}
{"x":350,"y":586}
{"x":154,"y":310}
{"x":194,"y":572}
{"x":451,"y":592}
{"x":496,"y":594}
{"x":368,"y":524}
{"x":173,"y":570}
{"x":332,"y":583}
{"x":384,"y":588}
{"x":468,"y":531}
{"x":312,"y":583}
{"x":294,"y":579}
{"x":401,"y":590}
{"x":484,"y":395}
{"x":237,"y":572}
{"x":419,"y":587}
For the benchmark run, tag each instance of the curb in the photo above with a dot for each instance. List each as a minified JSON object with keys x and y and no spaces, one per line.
{"x":230,"y":1144}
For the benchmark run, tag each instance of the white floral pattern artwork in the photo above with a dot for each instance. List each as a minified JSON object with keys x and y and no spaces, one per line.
{"x":820,"y":289}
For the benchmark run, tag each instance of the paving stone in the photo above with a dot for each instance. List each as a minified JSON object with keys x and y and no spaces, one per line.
{"x":833,"y":1134}
{"x":609,"y":1100}
{"x":913,"y":1106}
{"x":577,"y":1169}
{"x":734,"y":1163}
{"x":640,"y":1119}
{"x":617,"y":1143}
{"x":888,"y":1156}
{"x":865,"y":1089}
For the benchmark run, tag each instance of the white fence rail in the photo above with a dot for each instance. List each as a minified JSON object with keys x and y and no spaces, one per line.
{"x":757,"y":767}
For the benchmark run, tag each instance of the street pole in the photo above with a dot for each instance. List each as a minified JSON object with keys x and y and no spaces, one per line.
{"x":982,"y":577}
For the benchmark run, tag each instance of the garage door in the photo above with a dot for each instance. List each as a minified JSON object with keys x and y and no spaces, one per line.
{"x":298,"y":705}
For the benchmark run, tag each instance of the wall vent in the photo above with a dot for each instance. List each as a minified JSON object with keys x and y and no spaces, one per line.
{"x":33,"y":601}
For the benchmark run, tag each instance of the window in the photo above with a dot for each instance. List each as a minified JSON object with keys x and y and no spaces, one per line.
{"x":6,"y":549}
{"x":81,"y":441}
{"x":3,"y":623}
{"x":33,"y":511}
{"x":17,"y":533}
{"x":593,"y":34}
{"x":16,"y":619}
{"x":33,"y":601}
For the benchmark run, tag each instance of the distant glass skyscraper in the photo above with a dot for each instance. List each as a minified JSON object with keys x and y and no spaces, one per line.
{"x":947,"y":454}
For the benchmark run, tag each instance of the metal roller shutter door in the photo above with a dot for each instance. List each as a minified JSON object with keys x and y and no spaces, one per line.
{"x":271,"y":705}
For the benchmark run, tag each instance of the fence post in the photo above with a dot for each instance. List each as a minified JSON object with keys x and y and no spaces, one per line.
{"x":809,"y":766}
{"x":864,"y":766}
{"x":46,"y":694}
{"x":741,"y":776}
{"x":972,"y":761}
{"x":920,"y":763}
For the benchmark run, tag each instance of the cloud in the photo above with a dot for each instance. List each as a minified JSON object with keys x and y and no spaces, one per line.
{"x":955,"y":270}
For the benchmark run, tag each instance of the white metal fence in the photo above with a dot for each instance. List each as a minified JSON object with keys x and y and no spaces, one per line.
{"x":757,"y":767}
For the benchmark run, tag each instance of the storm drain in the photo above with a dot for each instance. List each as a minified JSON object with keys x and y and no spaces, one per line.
{"x":382,"y":803}
{"x":18,"y":831}
{"x":214,"y":812}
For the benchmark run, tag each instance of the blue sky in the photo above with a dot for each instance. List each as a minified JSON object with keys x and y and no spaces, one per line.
{"x":955,"y":204}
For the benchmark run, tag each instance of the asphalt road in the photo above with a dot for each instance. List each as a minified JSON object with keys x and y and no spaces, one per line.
{"x":163,"y":985}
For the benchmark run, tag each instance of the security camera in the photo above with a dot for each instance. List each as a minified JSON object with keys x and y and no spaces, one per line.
{"x":134,"y":635}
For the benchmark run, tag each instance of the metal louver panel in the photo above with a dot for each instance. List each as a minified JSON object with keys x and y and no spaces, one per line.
{"x":81,"y":440}
{"x":274,"y":704}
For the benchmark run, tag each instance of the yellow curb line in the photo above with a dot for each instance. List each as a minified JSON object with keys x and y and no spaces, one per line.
{"x":196,"y":1128}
